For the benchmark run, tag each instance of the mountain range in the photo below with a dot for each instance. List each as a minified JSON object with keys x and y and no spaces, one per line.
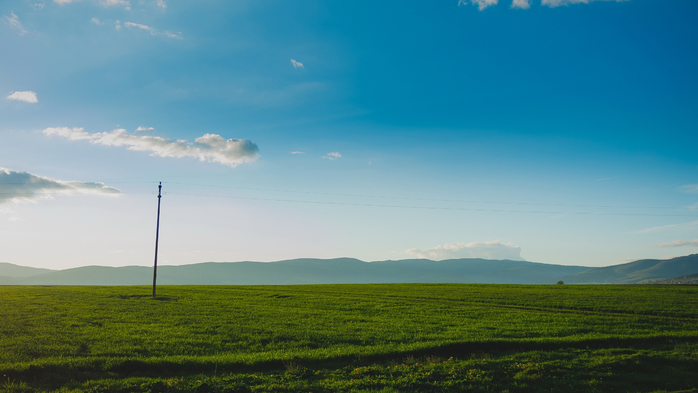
{"x":349,"y":270}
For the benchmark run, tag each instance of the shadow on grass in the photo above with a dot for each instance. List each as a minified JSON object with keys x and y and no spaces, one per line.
{"x":84,"y":369}
{"x":147,"y":297}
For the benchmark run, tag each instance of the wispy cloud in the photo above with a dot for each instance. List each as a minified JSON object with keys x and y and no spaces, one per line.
{"x":96,"y":21}
{"x":297,"y":152}
{"x":521,"y":4}
{"x":481,"y":4}
{"x":486,"y":250}
{"x":5,"y":210}
{"x":559,"y":3}
{"x":26,"y":96}
{"x":144,"y":129}
{"x":297,"y":64}
{"x":526,"y":4}
{"x":106,"y":3}
{"x":333,"y":155}
{"x":161,"y":3}
{"x":140,"y":26}
{"x":38,"y":6}
{"x":23,"y":186}
{"x":172,"y":35}
{"x":209,"y":147}
{"x":679,"y":243}
{"x":689,"y":188}
{"x":111,"y":3}
{"x":14,"y":23}
{"x":682,"y":226}
{"x":151,"y":30}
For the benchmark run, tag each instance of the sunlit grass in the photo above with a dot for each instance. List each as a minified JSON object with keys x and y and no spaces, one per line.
{"x":347,"y":337}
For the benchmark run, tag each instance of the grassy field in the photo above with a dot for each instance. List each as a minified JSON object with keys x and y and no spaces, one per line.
{"x":326,"y":338}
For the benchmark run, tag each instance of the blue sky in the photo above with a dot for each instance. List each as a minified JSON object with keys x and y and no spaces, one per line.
{"x":560,"y":131}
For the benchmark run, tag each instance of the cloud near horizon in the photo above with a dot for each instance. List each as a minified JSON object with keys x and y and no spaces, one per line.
{"x":24,"y":186}
{"x":26,"y":96}
{"x":691,"y":225}
{"x":487,"y":250}
{"x":209,"y":147}
{"x":679,"y":243}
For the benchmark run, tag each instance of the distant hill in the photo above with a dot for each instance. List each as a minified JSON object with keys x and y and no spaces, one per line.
{"x":10,"y":270}
{"x":684,"y":280}
{"x":636,"y":272}
{"x":308,"y":271}
{"x":349,"y":270}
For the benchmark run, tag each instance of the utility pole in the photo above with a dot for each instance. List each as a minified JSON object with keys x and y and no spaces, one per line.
{"x":157,"y":235}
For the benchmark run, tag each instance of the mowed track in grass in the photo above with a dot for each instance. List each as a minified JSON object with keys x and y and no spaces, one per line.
{"x":315,"y":337}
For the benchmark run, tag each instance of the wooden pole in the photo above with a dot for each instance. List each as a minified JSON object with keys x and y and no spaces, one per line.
{"x":157,"y":235}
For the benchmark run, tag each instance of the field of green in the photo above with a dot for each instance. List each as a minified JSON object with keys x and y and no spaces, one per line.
{"x":350,"y":338}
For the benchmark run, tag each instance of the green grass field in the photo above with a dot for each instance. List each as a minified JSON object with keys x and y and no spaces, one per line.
{"x":327,"y":338}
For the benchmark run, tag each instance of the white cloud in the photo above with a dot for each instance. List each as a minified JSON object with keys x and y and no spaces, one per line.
{"x":117,"y":25}
{"x":481,"y":4}
{"x":209,"y":147}
{"x":296,"y":64}
{"x":38,"y":6}
{"x":683,"y":226}
{"x":23,"y":186}
{"x":333,"y":155}
{"x":521,"y":4}
{"x":679,"y":243}
{"x":63,"y":1}
{"x":161,"y":3}
{"x":152,"y":30}
{"x":109,"y":3}
{"x":558,"y":3}
{"x":487,"y":250}
{"x":140,"y":26}
{"x":689,"y":188}
{"x":144,"y":129}
{"x":15,"y":219}
{"x":26,"y":96}
{"x":15,"y":23}
{"x":526,"y":4}
{"x":96,"y":21}
{"x":297,"y":152}
{"x":172,"y":35}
